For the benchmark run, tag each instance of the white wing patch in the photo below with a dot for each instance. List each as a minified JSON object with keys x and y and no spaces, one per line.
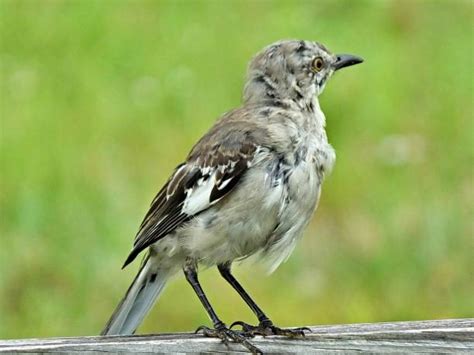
{"x":198,"y":197}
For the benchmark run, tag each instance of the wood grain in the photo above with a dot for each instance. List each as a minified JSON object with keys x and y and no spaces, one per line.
{"x":436,"y":336}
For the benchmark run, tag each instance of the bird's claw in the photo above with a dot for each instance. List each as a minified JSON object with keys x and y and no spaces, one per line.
{"x":269,"y":329}
{"x":226,"y":335}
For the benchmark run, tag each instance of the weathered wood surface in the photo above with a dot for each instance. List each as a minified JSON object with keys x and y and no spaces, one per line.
{"x":438,"y":336}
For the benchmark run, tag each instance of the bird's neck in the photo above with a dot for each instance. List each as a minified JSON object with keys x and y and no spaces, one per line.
{"x":263,"y":90}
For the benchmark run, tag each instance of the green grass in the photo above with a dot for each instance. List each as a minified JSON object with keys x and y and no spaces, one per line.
{"x":100,"y":100}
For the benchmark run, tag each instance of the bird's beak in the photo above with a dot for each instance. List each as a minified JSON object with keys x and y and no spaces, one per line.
{"x":346,"y":60}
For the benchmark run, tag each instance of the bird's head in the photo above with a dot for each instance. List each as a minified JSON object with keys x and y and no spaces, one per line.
{"x":292,"y":70}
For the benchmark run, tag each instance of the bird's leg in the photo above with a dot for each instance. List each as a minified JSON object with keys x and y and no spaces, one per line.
{"x":265,"y":326}
{"x":220,"y":330}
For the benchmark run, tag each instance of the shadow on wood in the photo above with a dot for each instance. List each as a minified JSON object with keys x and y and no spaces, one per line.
{"x":420,"y":336}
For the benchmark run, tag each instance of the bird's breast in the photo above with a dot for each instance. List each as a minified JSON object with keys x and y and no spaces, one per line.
{"x":299,"y":174}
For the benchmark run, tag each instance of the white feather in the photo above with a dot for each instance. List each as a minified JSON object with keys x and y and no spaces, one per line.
{"x":224,"y":183}
{"x":198,"y":198}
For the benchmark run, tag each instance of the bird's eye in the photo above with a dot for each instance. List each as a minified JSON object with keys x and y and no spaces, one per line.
{"x":317,"y":64}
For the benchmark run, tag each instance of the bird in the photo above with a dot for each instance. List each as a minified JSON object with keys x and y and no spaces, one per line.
{"x":248,"y":187}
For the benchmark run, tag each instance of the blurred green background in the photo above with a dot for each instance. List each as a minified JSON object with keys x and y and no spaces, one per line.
{"x":100,"y":100}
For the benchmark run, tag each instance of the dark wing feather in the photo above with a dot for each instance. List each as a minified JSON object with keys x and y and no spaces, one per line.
{"x":213,"y":168}
{"x":165,"y":213}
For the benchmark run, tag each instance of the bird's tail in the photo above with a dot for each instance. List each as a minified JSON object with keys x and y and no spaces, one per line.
{"x":140,"y":297}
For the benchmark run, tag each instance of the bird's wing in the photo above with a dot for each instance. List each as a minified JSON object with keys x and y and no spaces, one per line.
{"x":211,"y":171}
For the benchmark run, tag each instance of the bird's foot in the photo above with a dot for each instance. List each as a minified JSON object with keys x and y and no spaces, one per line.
{"x":266,"y":328}
{"x":226,"y":335}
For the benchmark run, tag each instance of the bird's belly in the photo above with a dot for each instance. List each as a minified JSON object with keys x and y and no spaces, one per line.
{"x":238,"y":226}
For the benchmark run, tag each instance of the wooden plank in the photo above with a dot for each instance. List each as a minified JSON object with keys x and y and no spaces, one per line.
{"x":452,"y":335}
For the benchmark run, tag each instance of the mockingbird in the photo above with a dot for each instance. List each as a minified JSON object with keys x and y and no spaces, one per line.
{"x":249,"y":186}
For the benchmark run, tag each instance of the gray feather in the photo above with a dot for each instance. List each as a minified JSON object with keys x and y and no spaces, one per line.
{"x":140,"y":297}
